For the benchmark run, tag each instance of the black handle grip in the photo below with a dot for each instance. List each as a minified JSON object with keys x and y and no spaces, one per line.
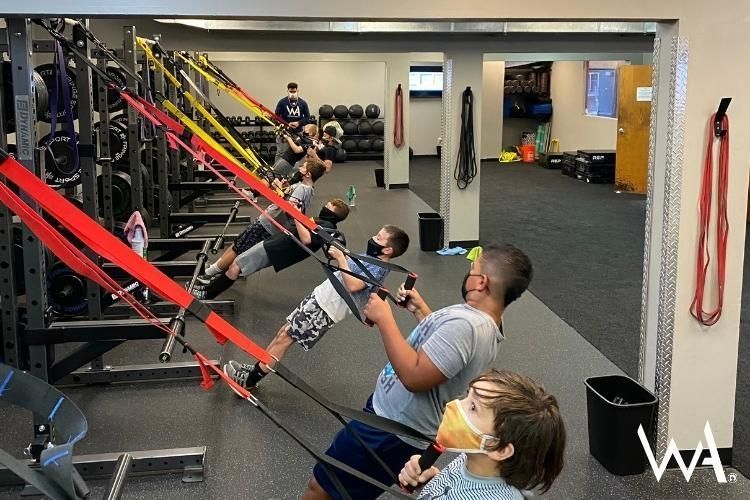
{"x":427,"y":460}
{"x":383,"y":294}
{"x":411,"y":280}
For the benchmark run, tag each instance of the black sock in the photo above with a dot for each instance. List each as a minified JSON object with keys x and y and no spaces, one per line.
{"x":255,"y":375}
{"x":218,"y":285}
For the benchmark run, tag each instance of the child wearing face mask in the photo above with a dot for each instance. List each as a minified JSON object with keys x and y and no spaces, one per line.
{"x":279,"y":251}
{"x":433,"y":364}
{"x":511,"y":437}
{"x":324,"y":307}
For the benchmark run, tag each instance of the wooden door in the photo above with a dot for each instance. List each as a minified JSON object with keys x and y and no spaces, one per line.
{"x":633,"y":118}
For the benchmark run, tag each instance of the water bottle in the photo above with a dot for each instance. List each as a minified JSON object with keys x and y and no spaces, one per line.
{"x":138,"y":244}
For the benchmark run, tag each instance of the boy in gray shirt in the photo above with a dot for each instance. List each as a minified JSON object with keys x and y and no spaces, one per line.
{"x":299,"y":194}
{"x":446,"y":350}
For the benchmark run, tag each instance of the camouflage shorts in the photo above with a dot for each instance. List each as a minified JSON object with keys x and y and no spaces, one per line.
{"x":308,"y":322}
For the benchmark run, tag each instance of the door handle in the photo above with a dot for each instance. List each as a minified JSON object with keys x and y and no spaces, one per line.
{"x":621,"y":130}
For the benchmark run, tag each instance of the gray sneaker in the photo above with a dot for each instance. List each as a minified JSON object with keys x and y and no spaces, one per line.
{"x":238,"y":372}
{"x":199,"y":292}
{"x":204,"y":279}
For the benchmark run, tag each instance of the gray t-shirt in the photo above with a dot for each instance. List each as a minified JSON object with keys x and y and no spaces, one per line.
{"x":300,"y":195}
{"x":462,"y":343}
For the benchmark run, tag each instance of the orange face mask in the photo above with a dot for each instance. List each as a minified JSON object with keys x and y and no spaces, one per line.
{"x":457,"y":432}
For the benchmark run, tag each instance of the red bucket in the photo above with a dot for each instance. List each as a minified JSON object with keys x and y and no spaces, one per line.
{"x":528,"y":153}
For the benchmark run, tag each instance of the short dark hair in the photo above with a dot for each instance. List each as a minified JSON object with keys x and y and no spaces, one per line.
{"x":316,"y":168}
{"x":398,"y":240}
{"x":340,"y":207}
{"x":291,"y":85}
{"x":509,"y":267}
{"x":527,"y":417}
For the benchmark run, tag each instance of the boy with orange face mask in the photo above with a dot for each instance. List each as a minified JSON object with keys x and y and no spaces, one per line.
{"x":511,"y":438}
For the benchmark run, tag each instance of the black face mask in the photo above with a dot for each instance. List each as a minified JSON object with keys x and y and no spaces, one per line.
{"x":296,"y":177}
{"x":374,"y":249}
{"x":464,"y":291}
{"x":329,"y":215}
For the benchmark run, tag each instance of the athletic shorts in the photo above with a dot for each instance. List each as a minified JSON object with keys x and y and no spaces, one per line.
{"x":252,"y":260}
{"x":308,"y":322}
{"x":346,"y":448}
{"x":252,"y":235}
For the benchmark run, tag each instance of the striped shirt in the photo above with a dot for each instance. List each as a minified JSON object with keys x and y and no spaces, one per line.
{"x":455,"y":482}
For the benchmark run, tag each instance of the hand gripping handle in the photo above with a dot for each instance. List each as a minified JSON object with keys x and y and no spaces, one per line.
{"x":383,"y":294}
{"x":427,"y":460}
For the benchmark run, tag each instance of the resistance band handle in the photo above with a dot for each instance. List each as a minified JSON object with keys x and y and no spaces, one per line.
{"x":383,"y":294}
{"x":427,"y":460}
{"x":411,"y":280}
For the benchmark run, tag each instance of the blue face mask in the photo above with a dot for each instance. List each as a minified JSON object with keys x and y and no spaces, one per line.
{"x":374,"y":249}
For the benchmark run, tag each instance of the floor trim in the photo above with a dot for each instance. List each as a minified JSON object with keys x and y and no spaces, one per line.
{"x":463,"y":243}
{"x":725,"y":455}
{"x":398,"y":186}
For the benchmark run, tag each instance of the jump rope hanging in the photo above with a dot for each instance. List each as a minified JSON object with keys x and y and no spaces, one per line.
{"x":398,"y":118}
{"x":718,"y":132}
{"x":466,"y":163}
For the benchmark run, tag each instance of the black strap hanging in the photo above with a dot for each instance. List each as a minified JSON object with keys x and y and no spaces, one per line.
{"x":466,"y":163}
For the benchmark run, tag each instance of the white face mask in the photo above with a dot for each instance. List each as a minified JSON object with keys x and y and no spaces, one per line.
{"x":293,"y":96}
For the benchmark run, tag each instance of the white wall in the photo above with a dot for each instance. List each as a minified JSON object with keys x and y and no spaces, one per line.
{"x":320,"y":82}
{"x":425,"y":126}
{"x":493,"y":78}
{"x":569,"y":124}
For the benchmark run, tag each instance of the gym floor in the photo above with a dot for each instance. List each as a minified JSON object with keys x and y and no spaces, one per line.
{"x":249,"y":457}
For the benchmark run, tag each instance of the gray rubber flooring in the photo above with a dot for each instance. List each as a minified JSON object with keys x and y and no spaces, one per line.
{"x":249,"y":457}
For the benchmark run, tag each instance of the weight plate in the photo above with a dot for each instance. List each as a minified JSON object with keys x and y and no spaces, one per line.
{"x":118,"y":141}
{"x":115,"y":101}
{"x":66,"y":291}
{"x":47,"y":72}
{"x":60,"y":167}
{"x":122,"y":206}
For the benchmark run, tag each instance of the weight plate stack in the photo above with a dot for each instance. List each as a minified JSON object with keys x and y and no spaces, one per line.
{"x":47,"y":72}
{"x":61,"y":169}
{"x":115,"y":102}
{"x":118,"y":141}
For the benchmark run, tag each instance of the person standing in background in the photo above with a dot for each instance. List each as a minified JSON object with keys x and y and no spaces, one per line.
{"x":293,"y":110}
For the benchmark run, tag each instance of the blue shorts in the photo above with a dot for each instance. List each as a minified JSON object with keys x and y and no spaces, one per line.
{"x":345,"y":448}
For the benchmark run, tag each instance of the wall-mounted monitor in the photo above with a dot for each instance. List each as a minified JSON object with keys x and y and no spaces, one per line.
{"x":426,"y":81}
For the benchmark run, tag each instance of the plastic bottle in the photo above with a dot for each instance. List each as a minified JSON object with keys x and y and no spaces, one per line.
{"x":138,"y":242}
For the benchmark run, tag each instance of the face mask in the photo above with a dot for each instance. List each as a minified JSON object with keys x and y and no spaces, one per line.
{"x":292,"y":96}
{"x":329,"y":215}
{"x":374,"y":249}
{"x":296,"y":177}
{"x":457,"y":433}
{"x":464,"y":291}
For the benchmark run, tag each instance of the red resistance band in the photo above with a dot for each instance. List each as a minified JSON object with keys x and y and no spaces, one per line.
{"x":94,"y":236}
{"x":398,"y":120}
{"x":160,"y":118}
{"x":722,"y":226}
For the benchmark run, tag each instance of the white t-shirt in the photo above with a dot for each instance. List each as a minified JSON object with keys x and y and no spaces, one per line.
{"x":332,"y":303}
{"x":455,"y":482}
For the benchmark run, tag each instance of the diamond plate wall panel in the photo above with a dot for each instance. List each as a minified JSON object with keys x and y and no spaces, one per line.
{"x":649,"y":202}
{"x":447,"y":151}
{"x":670,"y":235}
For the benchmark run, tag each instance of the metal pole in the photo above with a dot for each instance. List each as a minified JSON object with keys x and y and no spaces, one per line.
{"x":134,"y":143}
{"x":9,"y":303}
{"x":117,"y":481}
{"x":20,"y":43}
{"x":88,"y":166}
{"x":105,"y":160}
{"x":162,"y":165}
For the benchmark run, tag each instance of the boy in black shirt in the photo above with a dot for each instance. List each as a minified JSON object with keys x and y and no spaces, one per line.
{"x":326,"y":149}
{"x":279,"y":251}
{"x":297,"y":149}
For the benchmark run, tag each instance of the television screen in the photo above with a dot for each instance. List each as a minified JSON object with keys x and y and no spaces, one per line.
{"x":426,"y":81}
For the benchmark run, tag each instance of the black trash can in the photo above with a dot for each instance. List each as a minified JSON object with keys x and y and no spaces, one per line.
{"x":380,"y":177}
{"x":616,"y":406}
{"x":430,"y":231}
